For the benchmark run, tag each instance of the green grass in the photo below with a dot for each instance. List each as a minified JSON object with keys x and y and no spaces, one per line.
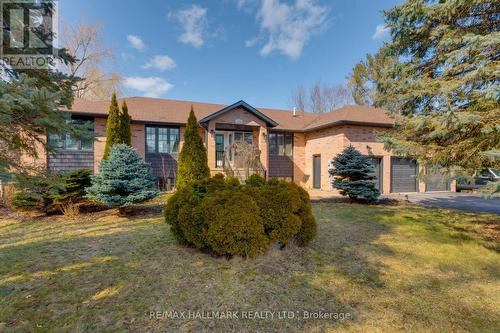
{"x":392,"y":268}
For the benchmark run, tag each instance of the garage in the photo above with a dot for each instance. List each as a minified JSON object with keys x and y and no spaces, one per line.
{"x":377,"y":165}
{"x":404,"y":175}
{"x":435,"y":180}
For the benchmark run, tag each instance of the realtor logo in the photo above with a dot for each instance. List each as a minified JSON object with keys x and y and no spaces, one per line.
{"x":28,"y":33}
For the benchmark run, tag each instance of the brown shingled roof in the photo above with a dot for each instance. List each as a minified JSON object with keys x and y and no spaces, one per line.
{"x":144,"y":109}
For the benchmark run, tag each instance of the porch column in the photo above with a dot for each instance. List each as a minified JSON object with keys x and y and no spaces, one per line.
{"x":210,"y":144}
{"x":262,"y":141}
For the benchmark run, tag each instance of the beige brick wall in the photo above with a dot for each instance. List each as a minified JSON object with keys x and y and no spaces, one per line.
{"x":299,"y":151}
{"x":328,"y":143}
{"x":138,"y":132}
{"x":99,"y":142}
{"x":38,"y":163}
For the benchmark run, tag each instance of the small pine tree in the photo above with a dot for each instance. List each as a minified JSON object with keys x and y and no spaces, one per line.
{"x":74,"y":183}
{"x":353,"y":175}
{"x":123,"y":179}
{"x":112,"y":126}
{"x":193,"y":164}
{"x":125,"y":134}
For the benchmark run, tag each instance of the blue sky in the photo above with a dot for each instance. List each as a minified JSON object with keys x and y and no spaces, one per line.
{"x":226,"y":50}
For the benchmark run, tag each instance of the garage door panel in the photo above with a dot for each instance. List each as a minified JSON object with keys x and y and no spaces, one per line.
{"x":404,"y":175}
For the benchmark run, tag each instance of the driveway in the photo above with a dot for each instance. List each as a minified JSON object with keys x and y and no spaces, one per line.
{"x":462,"y":201}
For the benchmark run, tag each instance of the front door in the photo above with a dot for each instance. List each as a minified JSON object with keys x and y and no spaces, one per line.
{"x":317,"y":171}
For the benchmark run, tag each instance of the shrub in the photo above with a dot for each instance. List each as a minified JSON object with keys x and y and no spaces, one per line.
{"x":234,"y":225}
{"x":123,"y":179}
{"x":37,"y":191}
{"x":255,"y":180}
{"x":353,"y":175}
{"x":308,"y":227}
{"x":74,"y":182}
{"x":223,"y":216}
{"x":192,"y":164}
{"x":278,"y":204}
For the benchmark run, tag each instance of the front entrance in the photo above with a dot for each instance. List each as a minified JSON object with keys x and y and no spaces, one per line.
{"x":317,"y":171}
{"x":223,"y":139}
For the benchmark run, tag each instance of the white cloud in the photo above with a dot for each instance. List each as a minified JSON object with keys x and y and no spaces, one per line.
{"x":136,"y":42}
{"x":381,"y":31}
{"x":193,"y":21}
{"x":288,"y":28}
{"x":149,"y":86}
{"x":161,"y":62}
{"x":252,"y":41}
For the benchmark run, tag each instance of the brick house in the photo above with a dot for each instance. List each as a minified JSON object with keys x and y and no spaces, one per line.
{"x":294,"y":146}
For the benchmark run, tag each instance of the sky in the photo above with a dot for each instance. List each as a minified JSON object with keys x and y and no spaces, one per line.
{"x":223,"y":51}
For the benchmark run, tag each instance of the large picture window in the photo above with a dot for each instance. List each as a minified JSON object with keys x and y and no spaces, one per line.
{"x":68,"y":142}
{"x":162,"y":140}
{"x":281,"y":144}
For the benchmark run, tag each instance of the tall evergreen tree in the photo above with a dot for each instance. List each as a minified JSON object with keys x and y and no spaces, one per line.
{"x":125,"y":133}
{"x":353,"y":175}
{"x":112,"y":126}
{"x":444,"y":89}
{"x":192,"y":164}
{"x":30,"y":100}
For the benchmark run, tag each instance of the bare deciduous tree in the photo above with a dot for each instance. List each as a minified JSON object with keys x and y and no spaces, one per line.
{"x":321,"y":98}
{"x":84,"y":42}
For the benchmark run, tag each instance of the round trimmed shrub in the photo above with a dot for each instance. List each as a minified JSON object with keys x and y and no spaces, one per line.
{"x":184,"y":216}
{"x":255,"y":181}
{"x":278,"y":204}
{"x":234,"y":224}
{"x":308,"y":227}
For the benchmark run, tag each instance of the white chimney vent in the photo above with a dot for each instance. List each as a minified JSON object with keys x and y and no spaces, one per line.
{"x":294,"y":111}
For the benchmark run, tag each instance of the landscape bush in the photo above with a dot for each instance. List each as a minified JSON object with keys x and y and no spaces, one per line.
{"x":37,"y":192}
{"x":278,"y":207}
{"x":74,"y":182}
{"x":227,"y":218}
{"x":234,"y":226}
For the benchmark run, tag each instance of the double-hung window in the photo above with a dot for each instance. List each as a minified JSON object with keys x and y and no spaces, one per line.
{"x":162,"y":140}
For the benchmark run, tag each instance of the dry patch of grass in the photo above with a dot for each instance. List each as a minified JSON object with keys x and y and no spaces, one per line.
{"x":392,"y":268}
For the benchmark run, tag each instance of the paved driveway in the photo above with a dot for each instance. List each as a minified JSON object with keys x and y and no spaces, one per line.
{"x":462,"y":201}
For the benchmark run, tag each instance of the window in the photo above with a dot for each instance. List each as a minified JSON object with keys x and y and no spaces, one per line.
{"x":281,"y":144}
{"x":162,"y":140}
{"x":68,"y":142}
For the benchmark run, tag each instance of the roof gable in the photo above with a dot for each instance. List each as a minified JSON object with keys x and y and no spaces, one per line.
{"x":244,"y":105}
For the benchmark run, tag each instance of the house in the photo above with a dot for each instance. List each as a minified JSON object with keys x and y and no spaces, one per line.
{"x":293,"y":146}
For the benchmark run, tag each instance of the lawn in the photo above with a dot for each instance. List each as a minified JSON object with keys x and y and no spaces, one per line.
{"x":384,"y":268}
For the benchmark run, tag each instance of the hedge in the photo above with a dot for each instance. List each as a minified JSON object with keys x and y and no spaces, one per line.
{"x":227,"y":218}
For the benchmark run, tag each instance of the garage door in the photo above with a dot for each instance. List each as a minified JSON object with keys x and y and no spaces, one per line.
{"x":377,"y":165}
{"x":435,"y":180}
{"x":404,"y":175}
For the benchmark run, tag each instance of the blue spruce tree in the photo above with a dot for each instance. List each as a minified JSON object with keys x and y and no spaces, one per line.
{"x":353,"y":175}
{"x":123,"y":179}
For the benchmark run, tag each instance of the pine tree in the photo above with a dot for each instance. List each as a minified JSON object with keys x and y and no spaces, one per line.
{"x":353,"y":175}
{"x":112,"y":127}
{"x":192,"y":164}
{"x":443,"y":90}
{"x":125,"y":134}
{"x":123,"y":179}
